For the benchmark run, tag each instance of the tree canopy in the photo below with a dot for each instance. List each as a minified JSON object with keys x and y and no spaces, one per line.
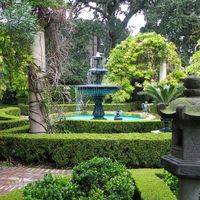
{"x":138,"y":59}
{"x":19,"y":25}
{"x":194,"y":67}
{"x":107,"y":12}
{"x":177,"y":20}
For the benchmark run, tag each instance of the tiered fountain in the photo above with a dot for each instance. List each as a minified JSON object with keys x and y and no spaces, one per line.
{"x":95,"y":88}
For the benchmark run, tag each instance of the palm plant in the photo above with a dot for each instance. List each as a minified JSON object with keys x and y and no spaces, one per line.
{"x":163,"y":93}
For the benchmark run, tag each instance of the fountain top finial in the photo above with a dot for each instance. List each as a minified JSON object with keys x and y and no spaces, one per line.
{"x":98,"y":55}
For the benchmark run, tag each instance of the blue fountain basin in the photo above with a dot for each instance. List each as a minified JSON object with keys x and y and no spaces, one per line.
{"x":97,"y":90}
{"x":107,"y":116}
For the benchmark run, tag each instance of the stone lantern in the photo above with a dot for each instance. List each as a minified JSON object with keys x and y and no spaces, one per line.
{"x":184,"y":158}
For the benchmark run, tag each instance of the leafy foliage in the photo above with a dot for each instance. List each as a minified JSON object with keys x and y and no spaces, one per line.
{"x":52,"y":188}
{"x":171,"y":181}
{"x":48,"y":3}
{"x":75,"y":71}
{"x":163,"y":93}
{"x":194,"y":67}
{"x":102,"y":126}
{"x":105,"y":175}
{"x":20,"y":25}
{"x":136,"y":62}
{"x":178,"y":20}
{"x":133,"y":149}
{"x":107,"y":12}
{"x":96,"y":179}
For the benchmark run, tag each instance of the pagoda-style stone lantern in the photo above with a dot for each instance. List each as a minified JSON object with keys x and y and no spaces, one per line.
{"x":184,"y":159}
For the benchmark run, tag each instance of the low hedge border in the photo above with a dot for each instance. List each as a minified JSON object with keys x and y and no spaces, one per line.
{"x":9,"y":118}
{"x":150,"y":186}
{"x":67,"y":150}
{"x":125,"y":107}
{"x":107,"y":126}
{"x":8,"y":124}
{"x":21,"y":129}
{"x":8,"y":113}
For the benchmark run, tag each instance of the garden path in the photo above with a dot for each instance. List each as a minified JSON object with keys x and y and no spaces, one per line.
{"x":17,"y":177}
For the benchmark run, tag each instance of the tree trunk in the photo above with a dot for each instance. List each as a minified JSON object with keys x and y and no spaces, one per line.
{"x":38,"y":121}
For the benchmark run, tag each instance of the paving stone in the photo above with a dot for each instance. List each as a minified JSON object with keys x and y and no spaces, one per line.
{"x":17,"y":177}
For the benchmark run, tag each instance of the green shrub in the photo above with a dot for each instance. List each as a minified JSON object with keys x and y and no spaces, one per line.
{"x":24,"y":109}
{"x":66,"y":150}
{"x":106,"y":126}
{"x":9,"y":118}
{"x":51,"y":188}
{"x":8,"y":124}
{"x":8,"y":113}
{"x":120,"y":188}
{"x":99,"y":179}
{"x":112,"y":178}
{"x":125,"y":107}
{"x":171,"y":181}
{"x":21,"y":129}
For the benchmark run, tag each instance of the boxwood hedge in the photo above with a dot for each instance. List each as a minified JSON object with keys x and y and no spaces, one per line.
{"x":7,"y":113}
{"x":150,"y":186}
{"x":126,"y":107}
{"x":106,"y":126}
{"x":66,"y":150}
{"x":9,"y":118}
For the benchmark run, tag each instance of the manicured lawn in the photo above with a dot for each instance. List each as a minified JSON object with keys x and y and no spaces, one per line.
{"x":14,"y":195}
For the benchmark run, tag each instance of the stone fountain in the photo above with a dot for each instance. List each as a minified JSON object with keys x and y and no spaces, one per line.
{"x":95,"y":88}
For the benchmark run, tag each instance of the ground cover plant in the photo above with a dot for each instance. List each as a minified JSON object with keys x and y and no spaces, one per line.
{"x":96,"y":179}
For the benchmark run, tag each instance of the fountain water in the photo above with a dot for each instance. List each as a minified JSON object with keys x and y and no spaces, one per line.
{"x":95,"y":88}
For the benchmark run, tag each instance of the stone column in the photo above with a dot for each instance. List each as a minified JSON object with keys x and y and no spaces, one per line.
{"x":163,"y":71}
{"x":189,"y":189}
{"x":36,"y":79}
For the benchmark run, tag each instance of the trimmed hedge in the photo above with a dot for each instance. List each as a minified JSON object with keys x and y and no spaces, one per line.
{"x":66,"y":150}
{"x":106,"y":126}
{"x":125,"y":107}
{"x":9,"y":118}
{"x":150,"y":186}
{"x":21,"y":129}
{"x":7,"y":113}
{"x":8,"y":124}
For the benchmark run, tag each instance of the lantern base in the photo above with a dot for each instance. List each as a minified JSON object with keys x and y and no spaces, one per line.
{"x":181,"y":168}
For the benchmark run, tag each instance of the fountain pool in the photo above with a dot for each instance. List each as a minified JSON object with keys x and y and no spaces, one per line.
{"x":107,"y":116}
